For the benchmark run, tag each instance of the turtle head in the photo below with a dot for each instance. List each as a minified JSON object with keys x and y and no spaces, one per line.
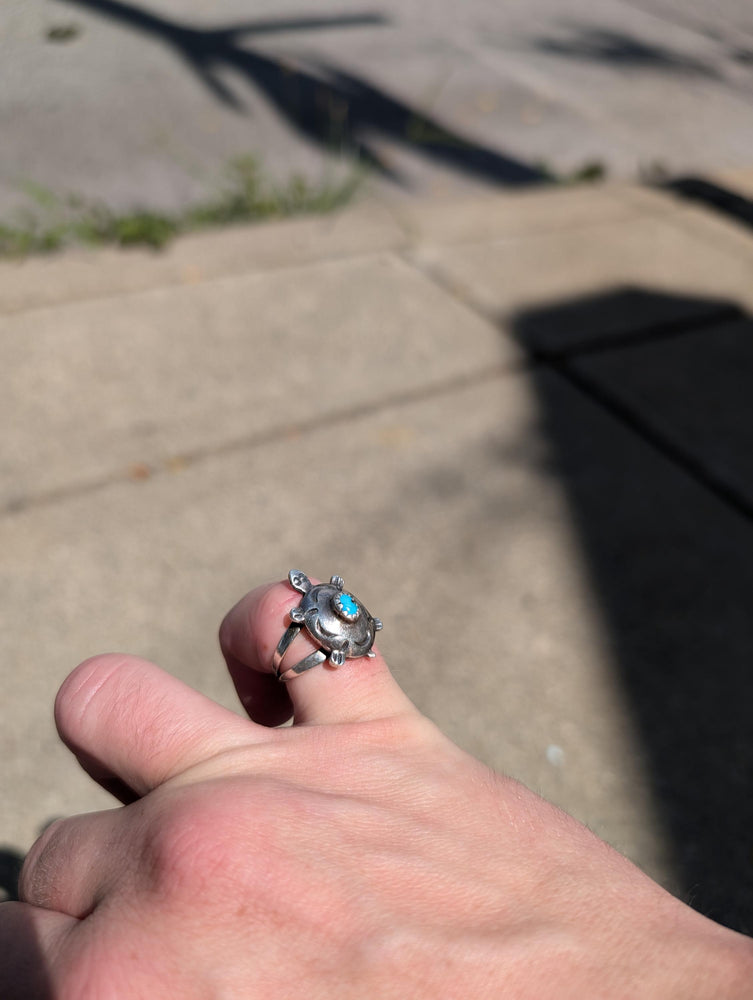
{"x":300,"y":581}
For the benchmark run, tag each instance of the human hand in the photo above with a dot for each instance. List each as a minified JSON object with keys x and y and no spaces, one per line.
{"x":357,"y":854}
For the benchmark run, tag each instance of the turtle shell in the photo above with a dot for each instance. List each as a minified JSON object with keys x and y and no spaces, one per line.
{"x":334,"y":617}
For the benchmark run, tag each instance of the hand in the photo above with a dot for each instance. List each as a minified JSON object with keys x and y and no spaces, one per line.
{"x":357,"y":854}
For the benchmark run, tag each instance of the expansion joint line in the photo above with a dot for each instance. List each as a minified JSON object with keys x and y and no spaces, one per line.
{"x":670,"y":449}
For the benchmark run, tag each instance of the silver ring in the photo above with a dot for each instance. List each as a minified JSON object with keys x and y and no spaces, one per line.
{"x":333,"y":618}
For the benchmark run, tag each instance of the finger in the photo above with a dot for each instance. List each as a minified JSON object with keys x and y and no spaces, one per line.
{"x":361,"y":689}
{"x":69,"y":868}
{"x":130,"y":721}
{"x":29,"y":938}
{"x":264,"y":698}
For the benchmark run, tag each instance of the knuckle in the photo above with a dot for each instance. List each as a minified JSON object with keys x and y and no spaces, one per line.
{"x":187,"y":852}
{"x":36,"y":883}
{"x":410,"y":731}
{"x":172,"y":850}
{"x":210,"y":848}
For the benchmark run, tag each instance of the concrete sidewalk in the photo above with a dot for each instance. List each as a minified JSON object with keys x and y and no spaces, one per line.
{"x":144,"y":103}
{"x":518,"y":426}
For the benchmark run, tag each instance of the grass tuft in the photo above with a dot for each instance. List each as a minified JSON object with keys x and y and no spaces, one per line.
{"x":50,"y":223}
{"x":63,"y":32}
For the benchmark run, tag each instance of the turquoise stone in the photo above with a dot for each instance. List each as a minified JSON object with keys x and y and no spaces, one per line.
{"x":346,"y":605}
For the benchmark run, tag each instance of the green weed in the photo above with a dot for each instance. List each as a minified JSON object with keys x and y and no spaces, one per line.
{"x":63,"y":32}
{"x":49,"y":222}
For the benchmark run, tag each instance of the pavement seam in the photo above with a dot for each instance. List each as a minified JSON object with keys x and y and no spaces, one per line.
{"x":714,"y":233}
{"x":652,"y":434}
{"x":175,"y":463}
{"x":227,"y":275}
{"x":622,"y":193}
{"x":416,"y":241}
{"x":600,"y":343}
{"x":411,"y":239}
{"x":526,"y":75}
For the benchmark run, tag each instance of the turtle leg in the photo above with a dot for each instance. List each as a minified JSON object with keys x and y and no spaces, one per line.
{"x":339,"y":650}
{"x":336,"y":644}
{"x":337,"y":581}
{"x":337,"y":656}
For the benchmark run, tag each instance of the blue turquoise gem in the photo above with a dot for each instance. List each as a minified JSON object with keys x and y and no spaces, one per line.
{"x":346,"y":605}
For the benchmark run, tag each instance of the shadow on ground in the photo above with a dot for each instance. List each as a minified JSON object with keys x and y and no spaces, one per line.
{"x":586,"y":43}
{"x":336,"y":110}
{"x":669,"y":549}
{"x":10,"y":869}
{"x":714,"y":196}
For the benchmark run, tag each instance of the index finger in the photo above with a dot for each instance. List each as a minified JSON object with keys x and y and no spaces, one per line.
{"x":126,"y":719}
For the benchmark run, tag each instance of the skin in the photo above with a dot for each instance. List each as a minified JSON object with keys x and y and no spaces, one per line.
{"x":355,"y":854}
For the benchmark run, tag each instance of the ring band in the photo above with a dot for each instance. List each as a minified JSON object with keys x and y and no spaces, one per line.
{"x":333,"y":618}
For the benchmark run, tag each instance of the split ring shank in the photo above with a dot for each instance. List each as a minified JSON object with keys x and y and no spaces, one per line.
{"x":312,"y":660}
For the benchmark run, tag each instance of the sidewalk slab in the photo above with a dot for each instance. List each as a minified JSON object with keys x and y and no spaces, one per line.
{"x":506,"y":279}
{"x":547,"y":209}
{"x":79,"y":274}
{"x":138,"y":381}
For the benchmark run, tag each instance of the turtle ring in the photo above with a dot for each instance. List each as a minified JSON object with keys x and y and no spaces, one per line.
{"x":340,"y":624}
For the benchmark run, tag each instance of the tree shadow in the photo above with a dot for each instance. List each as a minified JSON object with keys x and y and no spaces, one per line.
{"x":715,"y":196}
{"x":336,"y":110}
{"x":669,"y":553}
{"x":618,"y":49}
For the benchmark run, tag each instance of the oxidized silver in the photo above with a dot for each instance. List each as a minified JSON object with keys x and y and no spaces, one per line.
{"x":333,"y":618}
